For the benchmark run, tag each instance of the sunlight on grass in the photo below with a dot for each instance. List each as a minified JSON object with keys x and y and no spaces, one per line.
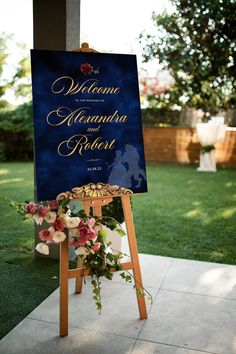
{"x":197,"y":203}
{"x":228,"y":213}
{"x":4,"y":171}
{"x":193,"y":213}
{"x":11,"y":180}
{"x":230,"y":184}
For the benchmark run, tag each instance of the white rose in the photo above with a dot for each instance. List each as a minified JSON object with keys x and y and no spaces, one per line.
{"x":51,"y":217}
{"x":38,"y":219}
{"x":58,"y":236}
{"x":71,"y":223}
{"x":64,"y":215}
{"x":74,"y":232}
{"x":81,"y":251}
{"x":42,"y":248}
{"x":108,"y":250}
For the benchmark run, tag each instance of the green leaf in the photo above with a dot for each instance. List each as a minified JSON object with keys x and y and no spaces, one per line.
{"x":120,"y":231}
{"x":108,"y":275}
{"x":102,"y":234}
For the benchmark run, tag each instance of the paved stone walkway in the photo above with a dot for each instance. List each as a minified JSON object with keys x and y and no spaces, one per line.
{"x":193,"y":312}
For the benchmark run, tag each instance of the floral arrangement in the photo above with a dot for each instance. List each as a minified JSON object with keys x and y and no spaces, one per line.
{"x":87,"y":234}
{"x":207,"y":148}
{"x":88,"y":69}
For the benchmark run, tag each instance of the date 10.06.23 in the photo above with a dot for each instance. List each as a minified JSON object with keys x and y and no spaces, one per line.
{"x":95,"y":168}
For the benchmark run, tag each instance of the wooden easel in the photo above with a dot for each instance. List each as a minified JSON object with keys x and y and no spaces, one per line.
{"x":103,"y":195}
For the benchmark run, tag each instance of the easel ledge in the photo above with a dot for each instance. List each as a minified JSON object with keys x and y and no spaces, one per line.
{"x":96,"y":196}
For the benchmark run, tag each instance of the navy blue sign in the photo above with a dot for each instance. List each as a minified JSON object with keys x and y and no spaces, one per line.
{"x":87,"y":121}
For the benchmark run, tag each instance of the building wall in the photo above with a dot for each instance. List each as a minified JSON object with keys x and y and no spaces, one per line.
{"x":182,"y":145}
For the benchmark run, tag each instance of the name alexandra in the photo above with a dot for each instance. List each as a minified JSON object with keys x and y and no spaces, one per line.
{"x":64,"y":115}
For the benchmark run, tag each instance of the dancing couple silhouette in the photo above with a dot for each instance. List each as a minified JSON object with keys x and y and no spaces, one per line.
{"x":125,"y":168}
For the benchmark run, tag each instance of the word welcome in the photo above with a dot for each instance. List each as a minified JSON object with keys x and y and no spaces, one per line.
{"x":67,"y":86}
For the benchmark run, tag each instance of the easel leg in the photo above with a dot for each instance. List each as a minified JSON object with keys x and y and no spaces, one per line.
{"x":79,"y":279}
{"x":64,"y":268}
{"x":134,"y":254}
{"x":80,"y":262}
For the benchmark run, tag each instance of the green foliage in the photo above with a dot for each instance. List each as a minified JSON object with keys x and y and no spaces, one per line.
{"x":18,"y":120}
{"x":127,"y":277}
{"x":197,"y":44}
{"x":102,"y":235}
{"x":155,"y":115}
{"x":16,"y":131}
{"x":114,"y":209}
{"x":16,"y":123}
{"x":3,"y":58}
{"x":21,"y":81}
{"x":207,"y":148}
{"x":120,"y":231}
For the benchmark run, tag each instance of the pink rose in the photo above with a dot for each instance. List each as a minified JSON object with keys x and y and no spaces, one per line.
{"x":42,"y":211}
{"x":84,"y":234}
{"x":96,"y":246}
{"x":86,"y":69}
{"x":91,"y":222}
{"x":74,"y":243}
{"x":83,"y":231}
{"x":31,"y":208}
{"x":59,"y":224}
{"x":45,"y":235}
{"x":92,"y":234}
{"x":81,"y":223}
{"x":53,"y":204}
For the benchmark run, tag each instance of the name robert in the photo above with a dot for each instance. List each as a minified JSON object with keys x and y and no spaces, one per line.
{"x":80,"y":143}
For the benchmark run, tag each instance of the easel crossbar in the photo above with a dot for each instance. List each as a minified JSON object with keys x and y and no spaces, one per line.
{"x":76,"y":272}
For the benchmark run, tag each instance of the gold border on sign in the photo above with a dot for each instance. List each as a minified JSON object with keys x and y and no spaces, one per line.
{"x":95,"y":190}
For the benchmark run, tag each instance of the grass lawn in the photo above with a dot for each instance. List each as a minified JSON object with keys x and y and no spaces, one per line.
{"x":186,"y":214}
{"x":25,"y":281}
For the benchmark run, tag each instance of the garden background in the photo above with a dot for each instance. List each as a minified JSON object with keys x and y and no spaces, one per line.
{"x":186,"y":214}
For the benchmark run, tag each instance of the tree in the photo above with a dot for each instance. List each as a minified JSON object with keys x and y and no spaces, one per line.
{"x":21,"y":81}
{"x":3,"y":59}
{"x":197,"y":44}
{"x":16,"y":122}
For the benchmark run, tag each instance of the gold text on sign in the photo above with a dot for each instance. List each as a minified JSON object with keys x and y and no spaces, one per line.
{"x":67,"y":86}
{"x":81,"y":143}
{"x":65,"y":115}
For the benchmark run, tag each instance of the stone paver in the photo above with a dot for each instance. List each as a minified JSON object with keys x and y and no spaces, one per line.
{"x":142,"y":347}
{"x":187,"y":320}
{"x":119,"y":314}
{"x":37,"y":337}
{"x":193,"y":312}
{"x":202,"y":278}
